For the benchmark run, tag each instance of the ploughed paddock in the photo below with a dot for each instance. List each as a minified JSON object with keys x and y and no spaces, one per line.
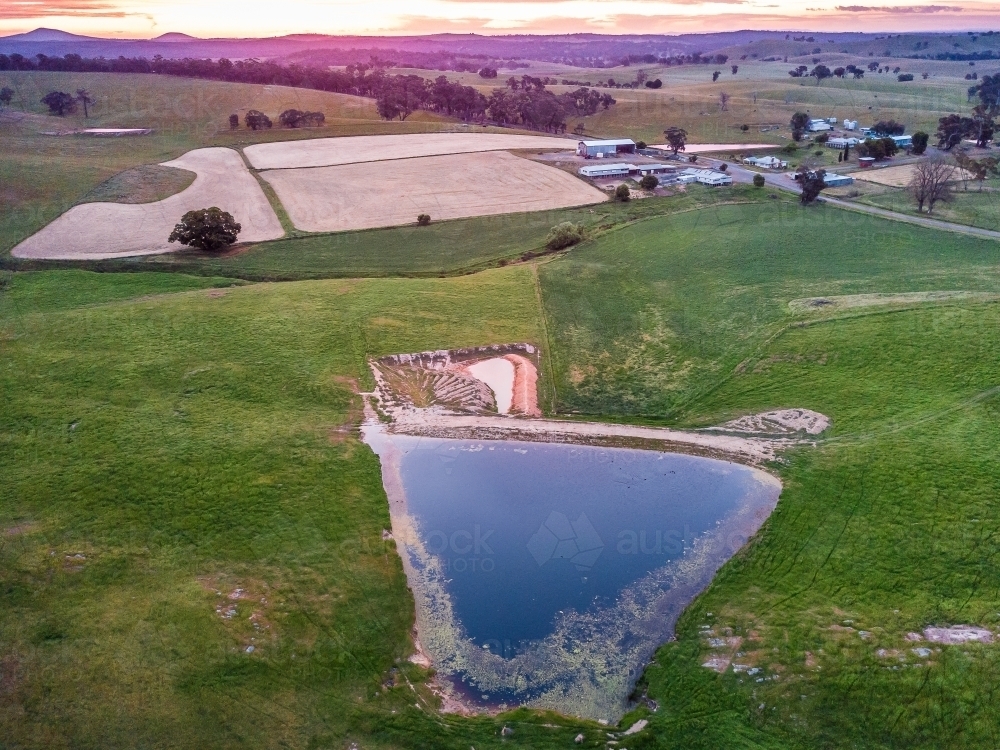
{"x":327,"y":185}
{"x":549,"y":559}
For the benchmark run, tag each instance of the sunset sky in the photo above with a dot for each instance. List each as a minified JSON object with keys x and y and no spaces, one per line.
{"x":228,"y":18}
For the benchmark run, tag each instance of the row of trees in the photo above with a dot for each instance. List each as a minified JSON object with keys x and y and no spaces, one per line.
{"x":525,"y":101}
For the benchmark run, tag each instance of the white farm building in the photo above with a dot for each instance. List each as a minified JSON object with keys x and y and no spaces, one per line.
{"x":616,"y":169}
{"x":706,"y":177}
{"x":605,"y":170}
{"x":767,"y":162}
{"x":603,"y":149}
{"x":815,"y":126}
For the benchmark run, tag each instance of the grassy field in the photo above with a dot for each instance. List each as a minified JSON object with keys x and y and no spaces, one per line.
{"x":184,"y":481}
{"x":762,"y":95}
{"x":443,"y":248}
{"x":684,"y":299}
{"x":973,"y":207}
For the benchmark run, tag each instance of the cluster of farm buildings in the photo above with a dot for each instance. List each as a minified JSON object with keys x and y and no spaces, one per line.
{"x":667,"y":174}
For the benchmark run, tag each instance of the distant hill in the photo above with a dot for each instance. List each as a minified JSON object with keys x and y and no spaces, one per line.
{"x":47,"y":35}
{"x":587,"y":50}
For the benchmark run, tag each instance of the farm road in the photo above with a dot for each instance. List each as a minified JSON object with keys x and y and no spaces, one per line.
{"x":781,"y":182}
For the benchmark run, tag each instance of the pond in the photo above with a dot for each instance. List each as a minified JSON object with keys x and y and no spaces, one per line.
{"x":546,"y":574}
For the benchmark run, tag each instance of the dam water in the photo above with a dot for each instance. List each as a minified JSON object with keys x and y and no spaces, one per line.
{"x":546,"y":574}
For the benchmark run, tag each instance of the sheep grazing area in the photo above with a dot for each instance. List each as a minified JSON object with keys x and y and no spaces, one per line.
{"x":453,"y":186}
{"x":93,"y":231}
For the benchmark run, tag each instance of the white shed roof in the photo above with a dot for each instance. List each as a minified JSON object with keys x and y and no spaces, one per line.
{"x":615,"y":142}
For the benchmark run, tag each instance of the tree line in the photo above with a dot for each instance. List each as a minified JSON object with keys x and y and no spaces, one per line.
{"x":525,"y":101}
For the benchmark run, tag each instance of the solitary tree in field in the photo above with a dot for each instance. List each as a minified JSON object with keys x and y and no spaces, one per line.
{"x":931,"y":183}
{"x":423,"y":220}
{"x":758,"y":180}
{"x":649,"y":182}
{"x":83,"y":96}
{"x":735,"y":69}
{"x":723,"y":101}
{"x":59,"y":103}
{"x":715,"y":75}
{"x":234,"y":122}
{"x":676,"y":138}
{"x":210,"y":229}
{"x":622,"y":193}
{"x":6,"y":96}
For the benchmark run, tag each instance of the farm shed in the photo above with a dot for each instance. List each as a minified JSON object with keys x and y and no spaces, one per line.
{"x":816,"y":126}
{"x":837,"y":180}
{"x":842,"y":143}
{"x":605,"y":170}
{"x":645,"y":169}
{"x":599,"y":149}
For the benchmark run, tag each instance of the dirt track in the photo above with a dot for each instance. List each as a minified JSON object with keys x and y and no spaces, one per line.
{"x":326,"y":152}
{"x":391,"y":193}
{"x":93,"y":231}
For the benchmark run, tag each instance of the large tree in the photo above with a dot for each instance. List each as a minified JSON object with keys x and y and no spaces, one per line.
{"x":820,"y":72}
{"x":59,"y":103}
{"x":799,"y":122}
{"x":812,"y":183}
{"x":6,"y":96}
{"x":931,"y":183}
{"x":676,"y":138}
{"x":209,"y":229}
{"x":256,"y":120}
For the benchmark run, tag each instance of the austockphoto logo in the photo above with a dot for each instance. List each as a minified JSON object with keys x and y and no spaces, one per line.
{"x":463,"y":550}
{"x":560,"y":538}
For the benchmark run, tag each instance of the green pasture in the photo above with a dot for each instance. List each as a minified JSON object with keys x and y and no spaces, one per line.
{"x":972,"y":206}
{"x":648,"y":319}
{"x":183,"y":477}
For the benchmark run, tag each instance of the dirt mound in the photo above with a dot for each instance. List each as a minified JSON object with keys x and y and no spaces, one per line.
{"x":782,"y":422}
{"x":444,"y":380}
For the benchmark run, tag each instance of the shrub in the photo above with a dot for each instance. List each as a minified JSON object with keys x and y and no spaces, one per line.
{"x":293,"y":118}
{"x":640,"y":144}
{"x":723,"y":167}
{"x":622,"y":193}
{"x":649,"y":182}
{"x":423,"y":220}
{"x":920,"y":142}
{"x":902,"y":77}
{"x":210,"y":229}
{"x":234,"y":122}
{"x":257,"y":120}
{"x":563,"y":235}
{"x":758,"y":180}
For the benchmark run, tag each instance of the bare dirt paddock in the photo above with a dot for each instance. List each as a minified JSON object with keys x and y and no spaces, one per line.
{"x":390,"y":193}
{"x":326,"y":152}
{"x":92,"y":231}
